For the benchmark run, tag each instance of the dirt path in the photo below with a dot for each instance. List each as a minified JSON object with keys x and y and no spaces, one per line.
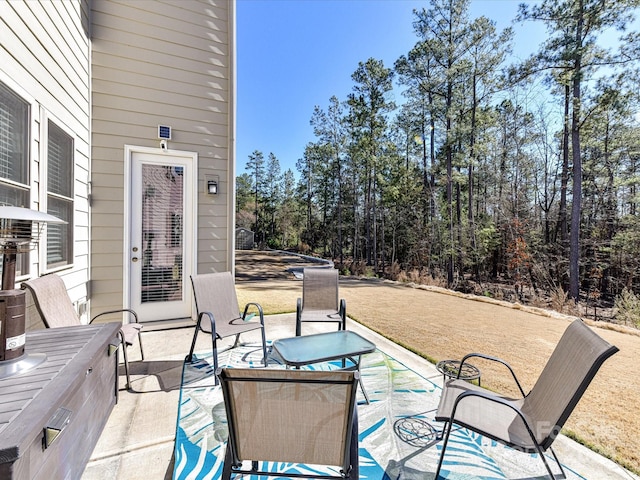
{"x":439,"y":324}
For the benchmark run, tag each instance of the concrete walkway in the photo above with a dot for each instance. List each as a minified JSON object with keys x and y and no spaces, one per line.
{"x":138,"y":440}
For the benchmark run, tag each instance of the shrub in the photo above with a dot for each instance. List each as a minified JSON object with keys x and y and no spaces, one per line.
{"x":559,"y":299}
{"x":415,"y":276}
{"x":358,"y":268}
{"x":395,"y":271}
{"x":402,"y":277}
{"x":274,"y":244}
{"x":627,"y":308}
{"x":303,"y":248}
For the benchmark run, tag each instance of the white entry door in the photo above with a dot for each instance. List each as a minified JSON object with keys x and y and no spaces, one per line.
{"x":161,"y":233}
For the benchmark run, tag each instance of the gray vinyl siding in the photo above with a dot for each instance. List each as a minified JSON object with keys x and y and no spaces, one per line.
{"x":166,"y":62}
{"x":45,"y":58}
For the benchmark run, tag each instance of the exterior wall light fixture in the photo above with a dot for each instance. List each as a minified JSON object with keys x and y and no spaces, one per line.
{"x":212,"y":182}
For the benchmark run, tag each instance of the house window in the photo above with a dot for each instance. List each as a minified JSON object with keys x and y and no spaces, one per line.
{"x":59,"y":196}
{"x":14,"y":157}
{"x":14,"y":149}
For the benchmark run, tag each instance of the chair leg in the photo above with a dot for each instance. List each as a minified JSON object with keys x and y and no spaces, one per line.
{"x":546,"y":464}
{"x":214,"y":345}
{"x":226,"y":467}
{"x":364,"y":392}
{"x":193,"y":341}
{"x":354,"y":473}
{"x":140,"y":343}
{"x":562,"y":472}
{"x":444,"y":447}
{"x":126,"y":360}
{"x":116,"y":386}
{"x":264,"y":347}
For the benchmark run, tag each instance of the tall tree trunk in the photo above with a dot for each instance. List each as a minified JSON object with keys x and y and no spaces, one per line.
{"x":367,"y":217}
{"x":375,"y":220}
{"x":472,"y":154}
{"x":426,"y":190}
{"x":564,"y":179}
{"x":632,"y":191}
{"x":432,"y":158}
{"x":576,"y":208}
{"x":340,"y":250}
{"x":449,"y":156}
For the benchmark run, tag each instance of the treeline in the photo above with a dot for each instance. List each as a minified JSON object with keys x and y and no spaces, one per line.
{"x":488,"y":170}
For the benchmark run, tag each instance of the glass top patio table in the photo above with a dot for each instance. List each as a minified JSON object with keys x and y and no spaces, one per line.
{"x":322,"y":347}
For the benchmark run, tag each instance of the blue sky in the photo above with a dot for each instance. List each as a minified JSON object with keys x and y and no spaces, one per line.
{"x":295,"y":54}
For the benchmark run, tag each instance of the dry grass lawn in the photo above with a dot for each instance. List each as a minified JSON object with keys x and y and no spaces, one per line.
{"x":438,"y":324}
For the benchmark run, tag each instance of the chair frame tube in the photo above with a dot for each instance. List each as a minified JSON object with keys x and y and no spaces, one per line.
{"x":125,"y":358}
{"x":493,"y":359}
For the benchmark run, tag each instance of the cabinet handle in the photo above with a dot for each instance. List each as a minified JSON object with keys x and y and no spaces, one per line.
{"x":56,"y":425}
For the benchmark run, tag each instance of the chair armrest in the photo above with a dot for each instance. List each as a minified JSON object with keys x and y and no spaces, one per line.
{"x":211,"y":320}
{"x":343,"y":313}
{"x":493,"y":359}
{"x":298,"y":317}
{"x":122,"y":310}
{"x":258,"y":306}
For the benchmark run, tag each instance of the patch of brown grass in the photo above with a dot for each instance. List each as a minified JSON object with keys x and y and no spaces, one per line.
{"x":439,"y":324}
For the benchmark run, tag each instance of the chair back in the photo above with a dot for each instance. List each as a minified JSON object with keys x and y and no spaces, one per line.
{"x":295,"y":416}
{"x":573,"y":364}
{"x":216,"y":293}
{"x":52,"y":301}
{"x":320,"y":289}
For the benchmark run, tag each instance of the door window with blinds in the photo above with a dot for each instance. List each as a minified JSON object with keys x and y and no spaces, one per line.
{"x":59,"y":196}
{"x":162,"y":217}
{"x":14,"y":157}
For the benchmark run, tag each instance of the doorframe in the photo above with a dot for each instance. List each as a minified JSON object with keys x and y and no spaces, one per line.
{"x":129,"y":151}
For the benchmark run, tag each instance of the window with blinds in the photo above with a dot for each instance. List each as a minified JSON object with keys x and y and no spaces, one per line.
{"x":14,"y":157}
{"x":59,"y":196}
{"x":14,"y":149}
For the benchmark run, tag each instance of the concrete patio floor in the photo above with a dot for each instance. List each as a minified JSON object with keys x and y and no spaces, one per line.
{"x":138,"y":440}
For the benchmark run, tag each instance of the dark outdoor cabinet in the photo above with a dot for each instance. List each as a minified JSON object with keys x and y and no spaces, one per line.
{"x":71,"y":394}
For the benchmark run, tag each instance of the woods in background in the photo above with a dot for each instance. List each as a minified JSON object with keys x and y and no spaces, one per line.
{"x":486,"y":171}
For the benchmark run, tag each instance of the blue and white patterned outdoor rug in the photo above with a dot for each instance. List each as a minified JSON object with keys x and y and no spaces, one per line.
{"x":397,"y":430}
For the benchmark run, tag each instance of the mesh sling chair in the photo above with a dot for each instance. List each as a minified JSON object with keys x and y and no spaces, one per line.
{"x":292,"y":416}
{"x":215,"y":297}
{"x":319,"y":302}
{"x":52,"y":301}
{"x":531,"y":423}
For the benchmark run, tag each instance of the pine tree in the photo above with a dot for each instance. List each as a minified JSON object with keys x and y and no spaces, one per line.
{"x":572,"y":48}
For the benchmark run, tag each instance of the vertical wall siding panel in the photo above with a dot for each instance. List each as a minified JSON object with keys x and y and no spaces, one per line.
{"x":45,"y":51}
{"x":158,"y":62}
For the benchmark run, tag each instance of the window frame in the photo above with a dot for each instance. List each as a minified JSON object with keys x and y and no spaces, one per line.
{"x":45,"y":194}
{"x":25,"y":261}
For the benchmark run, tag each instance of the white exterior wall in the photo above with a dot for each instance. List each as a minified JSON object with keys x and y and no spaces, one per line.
{"x":45,"y":57}
{"x":168,"y":62}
